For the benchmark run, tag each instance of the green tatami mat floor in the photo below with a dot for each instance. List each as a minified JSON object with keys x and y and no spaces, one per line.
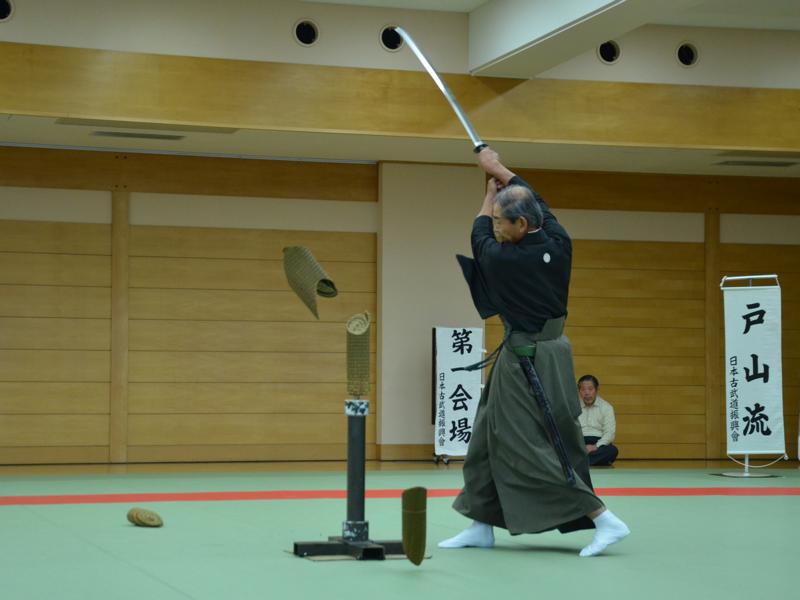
{"x":707,"y":546}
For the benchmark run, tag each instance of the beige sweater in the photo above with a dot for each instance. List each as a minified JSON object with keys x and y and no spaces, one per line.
{"x":598,"y":420}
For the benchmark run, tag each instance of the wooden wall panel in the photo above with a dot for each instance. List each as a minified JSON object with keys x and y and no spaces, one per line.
{"x":642,"y":256}
{"x":635,"y":370}
{"x":638,"y":341}
{"x":54,"y":269}
{"x":628,"y":341}
{"x":236,"y":305}
{"x":55,"y":301}
{"x":243,"y":336}
{"x":751,"y":259}
{"x":250,"y":243}
{"x":634,"y":312}
{"x":26,"y":333}
{"x":632,"y":282}
{"x":791,"y":371}
{"x":791,"y":426}
{"x":671,"y":429}
{"x":791,"y":316}
{"x":713,"y":341}
{"x":43,"y":236}
{"x":278,"y":367}
{"x":238,"y":397}
{"x":54,"y":341}
{"x":120,"y":284}
{"x":216,"y":342}
{"x":225,"y":362}
{"x":653,"y":399}
{"x":54,"y":430}
{"x":135,"y":172}
{"x":637,"y":322}
{"x":784,"y":260}
{"x":54,"y":365}
{"x":232,"y":177}
{"x":663,"y":451}
{"x":28,"y":397}
{"x":216,"y":336}
{"x":238,"y":452}
{"x":209,"y":274}
{"x":243,"y":429}
{"x":102,"y":84}
{"x":594,"y":190}
{"x":637,"y":312}
{"x":791,"y":399}
{"x":53,"y":455}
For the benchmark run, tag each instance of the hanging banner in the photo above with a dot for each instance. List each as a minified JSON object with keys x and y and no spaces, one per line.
{"x":754,"y":381}
{"x":456,"y":395}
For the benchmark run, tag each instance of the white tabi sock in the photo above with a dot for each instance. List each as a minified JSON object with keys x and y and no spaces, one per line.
{"x":610,"y":530}
{"x":477,"y":535}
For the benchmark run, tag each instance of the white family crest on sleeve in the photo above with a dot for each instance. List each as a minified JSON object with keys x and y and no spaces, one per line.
{"x":546,"y":257}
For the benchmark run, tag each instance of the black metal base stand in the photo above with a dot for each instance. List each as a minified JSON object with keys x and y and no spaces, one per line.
{"x":354,"y":541}
{"x":337,"y":546}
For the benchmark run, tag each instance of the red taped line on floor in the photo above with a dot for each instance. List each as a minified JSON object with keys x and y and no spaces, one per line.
{"x":700,"y":491}
{"x":376,"y":494}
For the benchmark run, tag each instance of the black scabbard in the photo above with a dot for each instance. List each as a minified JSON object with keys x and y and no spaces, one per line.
{"x":552,"y":428}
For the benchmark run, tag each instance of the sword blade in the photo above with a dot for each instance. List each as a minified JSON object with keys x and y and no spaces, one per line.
{"x":478,"y":145}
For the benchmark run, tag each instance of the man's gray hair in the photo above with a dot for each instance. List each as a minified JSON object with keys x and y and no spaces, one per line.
{"x":517,"y":201}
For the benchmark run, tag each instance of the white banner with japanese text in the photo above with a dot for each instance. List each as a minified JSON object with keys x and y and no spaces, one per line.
{"x":456,"y":394}
{"x":753,"y":370}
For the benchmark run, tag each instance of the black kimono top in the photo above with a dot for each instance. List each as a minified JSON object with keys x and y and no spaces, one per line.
{"x":526,"y":283}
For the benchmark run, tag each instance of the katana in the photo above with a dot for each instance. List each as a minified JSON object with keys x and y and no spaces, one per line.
{"x":547,"y":412}
{"x":477,"y":143}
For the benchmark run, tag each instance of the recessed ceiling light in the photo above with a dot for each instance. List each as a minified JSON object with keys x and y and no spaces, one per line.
{"x":608,"y":52}
{"x":6,"y":10}
{"x":306,"y":32}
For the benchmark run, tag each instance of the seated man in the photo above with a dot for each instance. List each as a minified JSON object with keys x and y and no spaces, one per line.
{"x":597,"y":422}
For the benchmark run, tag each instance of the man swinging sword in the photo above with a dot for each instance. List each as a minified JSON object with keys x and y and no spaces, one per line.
{"x":526,"y":469}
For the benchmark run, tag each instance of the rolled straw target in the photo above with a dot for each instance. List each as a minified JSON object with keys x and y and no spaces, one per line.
{"x":358,"y":354}
{"x":306,"y":277}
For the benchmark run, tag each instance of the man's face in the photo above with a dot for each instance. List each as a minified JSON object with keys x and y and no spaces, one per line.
{"x":587,"y":392}
{"x":505,"y":230}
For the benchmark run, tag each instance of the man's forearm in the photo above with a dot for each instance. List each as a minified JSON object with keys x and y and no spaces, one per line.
{"x":487,"y":207}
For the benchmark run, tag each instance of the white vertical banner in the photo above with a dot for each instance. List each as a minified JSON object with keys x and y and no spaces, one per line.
{"x":753,"y":370}
{"x":458,"y":393}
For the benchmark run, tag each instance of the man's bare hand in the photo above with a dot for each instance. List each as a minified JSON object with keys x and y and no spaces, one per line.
{"x":590,"y":448}
{"x":488,"y":159}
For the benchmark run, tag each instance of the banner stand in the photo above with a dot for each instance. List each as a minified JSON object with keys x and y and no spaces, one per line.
{"x":731,"y":392}
{"x":747,"y":472}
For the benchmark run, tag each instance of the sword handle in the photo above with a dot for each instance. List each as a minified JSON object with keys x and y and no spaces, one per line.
{"x":479,"y":147}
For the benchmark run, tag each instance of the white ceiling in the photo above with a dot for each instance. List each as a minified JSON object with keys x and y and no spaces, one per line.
{"x":744,"y":14}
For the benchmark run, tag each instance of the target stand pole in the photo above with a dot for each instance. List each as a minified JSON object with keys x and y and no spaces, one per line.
{"x":354,"y":541}
{"x":356,"y":528}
